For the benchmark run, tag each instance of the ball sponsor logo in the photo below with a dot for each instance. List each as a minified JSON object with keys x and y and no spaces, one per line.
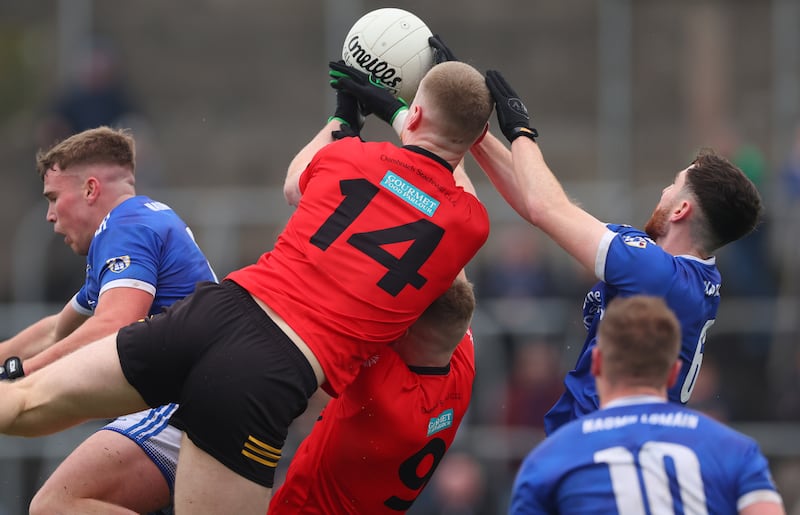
{"x":381,"y":70}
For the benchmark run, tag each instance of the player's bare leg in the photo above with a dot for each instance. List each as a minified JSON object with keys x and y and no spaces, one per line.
{"x":84,"y":385}
{"x":203,"y":485}
{"x":123,"y":480}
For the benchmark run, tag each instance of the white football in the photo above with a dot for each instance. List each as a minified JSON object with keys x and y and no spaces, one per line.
{"x":392,"y":45}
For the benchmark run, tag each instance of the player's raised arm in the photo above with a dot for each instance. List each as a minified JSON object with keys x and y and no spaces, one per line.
{"x":291,"y":186}
{"x":346,"y":121}
{"x":523,"y":178}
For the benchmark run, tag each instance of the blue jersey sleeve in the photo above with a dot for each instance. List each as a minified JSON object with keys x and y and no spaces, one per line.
{"x":754,"y":476}
{"x":534,"y":489}
{"x":80,"y":302}
{"x":121,"y":256}
{"x":634,"y":264}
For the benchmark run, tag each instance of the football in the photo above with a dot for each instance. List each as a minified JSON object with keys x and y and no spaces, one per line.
{"x":392,"y":45}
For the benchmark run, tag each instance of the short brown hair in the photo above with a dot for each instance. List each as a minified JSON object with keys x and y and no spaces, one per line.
{"x":729,"y":200}
{"x":446,"y":320}
{"x":102,"y":145}
{"x":640,"y":339}
{"x":461,"y":98}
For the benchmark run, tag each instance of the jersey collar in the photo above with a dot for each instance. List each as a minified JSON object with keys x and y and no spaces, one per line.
{"x":430,"y":371}
{"x":635,"y":399}
{"x":429,"y":154}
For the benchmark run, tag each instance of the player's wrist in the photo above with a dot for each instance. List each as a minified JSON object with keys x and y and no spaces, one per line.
{"x":338,"y":119}
{"x":515,"y":132}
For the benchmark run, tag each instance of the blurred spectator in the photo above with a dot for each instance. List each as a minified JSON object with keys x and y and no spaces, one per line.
{"x":96,"y":97}
{"x":515,"y":267}
{"x":787,"y":219}
{"x":458,"y":487}
{"x":786,"y":390}
{"x":534,"y":385}
{"x":789,"y":172}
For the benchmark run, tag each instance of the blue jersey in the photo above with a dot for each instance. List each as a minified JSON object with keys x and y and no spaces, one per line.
{"x":630,"y":263}
{"x":641,"y":455}
{"x":142,"y":244}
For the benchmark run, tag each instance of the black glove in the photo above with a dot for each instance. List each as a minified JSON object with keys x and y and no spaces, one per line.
{"x":512,"y":115}
{"x":441,"y":52}
{"x":12,"y":369}
{"x":348,"y":113}
{"x":372,"y":96}
{"x":345,"y":131}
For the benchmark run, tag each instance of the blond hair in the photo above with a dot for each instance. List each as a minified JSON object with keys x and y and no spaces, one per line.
{"x":458,"y":94}
{"x":102,"y":145}
{"x":442,"y":326}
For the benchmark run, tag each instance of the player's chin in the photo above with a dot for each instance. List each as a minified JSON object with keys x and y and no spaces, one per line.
{"x":77,"y":249}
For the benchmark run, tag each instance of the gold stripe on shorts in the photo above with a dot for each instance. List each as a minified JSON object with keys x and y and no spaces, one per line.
{"x":261,"y":452}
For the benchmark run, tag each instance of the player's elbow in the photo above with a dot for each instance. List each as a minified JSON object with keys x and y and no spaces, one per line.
{"x":539,"y":211}
{"x":291,"y":192}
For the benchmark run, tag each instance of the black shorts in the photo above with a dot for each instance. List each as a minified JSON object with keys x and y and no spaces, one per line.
{"x":239,"y":380}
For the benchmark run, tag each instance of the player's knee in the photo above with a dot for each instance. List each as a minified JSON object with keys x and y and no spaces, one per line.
{"x":49,"y":500}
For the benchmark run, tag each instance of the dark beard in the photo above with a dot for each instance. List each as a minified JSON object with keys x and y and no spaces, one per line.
{"x":656,"y":227}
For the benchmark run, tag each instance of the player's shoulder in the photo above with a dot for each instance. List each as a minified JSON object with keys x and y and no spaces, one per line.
{"x":138,"y":209}
{"x":138,"y":215}
{"x":632,"y":237}
{"x":345,"y":147}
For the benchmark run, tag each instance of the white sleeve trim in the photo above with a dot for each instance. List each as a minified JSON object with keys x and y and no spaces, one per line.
{"x":128,"y":283}
{"x":758,"y":496}
{"x":77,"y":307}
{"x":602,"y":254}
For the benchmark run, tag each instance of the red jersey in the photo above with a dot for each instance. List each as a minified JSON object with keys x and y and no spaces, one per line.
{"x":377,"y":445}
{"x":380,"y":232}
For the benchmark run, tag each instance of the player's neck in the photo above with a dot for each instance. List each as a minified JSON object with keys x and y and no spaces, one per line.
{"x":617,"y":392}
{"x":415,"y":357}
{"x":678,"y":243}
{"x":116,"y":199}
{"x":431,"y":145}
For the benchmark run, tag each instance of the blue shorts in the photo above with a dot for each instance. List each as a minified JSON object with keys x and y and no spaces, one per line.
{"x":150,"y":430}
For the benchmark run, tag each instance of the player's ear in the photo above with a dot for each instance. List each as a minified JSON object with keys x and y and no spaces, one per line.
{"x":91,"y":189}
{"x":414,"y":118}
{"x":674,"y":372}
{"x":597,"y":362}
{"x":483,"y":134}
{"x":681,"y":210}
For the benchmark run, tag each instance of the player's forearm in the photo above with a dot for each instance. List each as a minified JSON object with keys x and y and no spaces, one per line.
{"x":542,"y":192}
{"x":94,"y":329}
{"x":521,"y":176}
{"x":495,"y":159}
{"x":31,"y":340}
